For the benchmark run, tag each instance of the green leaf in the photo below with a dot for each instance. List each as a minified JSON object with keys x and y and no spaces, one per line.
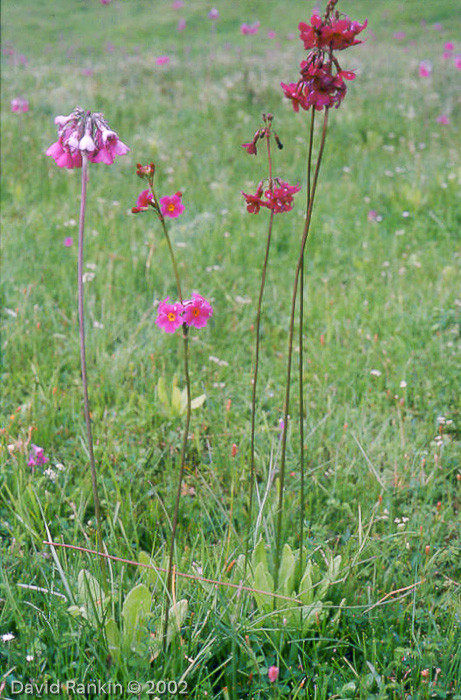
{"x":259,"y":555}
{"x":197,"y":402}
{"x":264,"y":582}
{"x":176,"y":617}
{"x":162,"y":394}
{"x":311,"y":614}
{"x":287,"y":571}
{"x":176,"y":403}
{"x":135,"y":608}
{"x":92,"y":598}
{"x":306,"y":592}
{"x":151,"y":576}
{"x":113,"y":638}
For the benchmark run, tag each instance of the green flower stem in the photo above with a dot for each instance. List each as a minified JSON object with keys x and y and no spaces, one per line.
{"x":279,"y":515}
{"x":174,"y":526}
{"x":256,"y":367}
{"x":81,"y":319}
{"x":301,"y":362}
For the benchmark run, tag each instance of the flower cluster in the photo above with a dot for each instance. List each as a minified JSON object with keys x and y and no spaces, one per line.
{"x":322,"y":85}
{"x":193,"y":312}
{"x":19,"y":104}
{"x":250,"y":28}
{"x":333,"y":34}
{"x":278,"y":199}
{"x":37,"y":457}
{"x":84,"y":132}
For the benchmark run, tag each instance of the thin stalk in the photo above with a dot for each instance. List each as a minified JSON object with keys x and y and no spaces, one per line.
{"x":174,"y":526}
{"x":307,"y":222}
{"x":81,"y":320}
{"x":256,"y":368}
{"x":301,"y":360}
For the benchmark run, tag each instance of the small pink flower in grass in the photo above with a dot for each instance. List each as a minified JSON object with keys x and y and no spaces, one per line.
{"x":105,"y":2}
{"x":169,"y":316}
{"x":273,"y":673}
{"x":250,"y":29}
{"x":449,"y":46}
{"x":181,"y":25}
{"x":37,"y":457}
{"x":271,"y":34}
{"x":438,"y":26}
{"x":213,"y":13}
{"x":172,"y":206}
{"x":18,"y":104}
{"x":373,"y":215}
{"x":162,"y":60}
{"x":143,"y":202}
{"x":197,"y":311}
{"x":177,"y":4}
{"x":425,"y":69}
{"x":458,"y":62}
{"x":443,"y":119}
{"x":400,"y":36}
{"x":68,"y":242}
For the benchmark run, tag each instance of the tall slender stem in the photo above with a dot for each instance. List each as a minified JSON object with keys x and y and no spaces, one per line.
{"x":278,"y":537}
{"x":81,"y":319}
{"x":256,"y":367}
{"x":301,"y":360}
{"x":174,"y":526}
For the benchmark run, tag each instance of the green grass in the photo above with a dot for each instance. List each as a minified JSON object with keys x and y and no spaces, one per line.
{"x":380,"y":296}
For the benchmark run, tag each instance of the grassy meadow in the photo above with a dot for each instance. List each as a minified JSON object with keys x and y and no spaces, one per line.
{"x":382,"y":356}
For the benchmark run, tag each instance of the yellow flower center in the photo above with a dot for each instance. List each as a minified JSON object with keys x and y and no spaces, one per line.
{"x":171,"y":316}
{"x":171,"y":207}
{"x":196,"y":312}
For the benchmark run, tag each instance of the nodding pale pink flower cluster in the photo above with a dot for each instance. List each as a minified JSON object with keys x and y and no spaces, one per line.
{"x":18,"y":104}
{"x":193,"y":312}
{"x":321,"y":85}
{"x":83,"y":132}
{"x":250,"y":28}
{"x":278,"y":199}
{"x":37,"y":457}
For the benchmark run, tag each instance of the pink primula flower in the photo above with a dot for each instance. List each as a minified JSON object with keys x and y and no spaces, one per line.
{"x":250,"y":28}
{"x":181,"y":25}
{"x":442,"y":119}
{"x":177,"y":4}
{"x":172,"y":206}
{"x":162,"y":60}
{"x":169,"y":316}
{"x":425,"y":69}
{"x":213,"y":13}
{"x":197,"y":311}
{"x":458,"y":62}
{"x":87,"y":133}
{"x":339,"y":34}
{"x":37,"y":457}
{"x":18,"y":104}
{"x":143,"y":202}
{"x":68,"y":242}
{"x":273,"y":673}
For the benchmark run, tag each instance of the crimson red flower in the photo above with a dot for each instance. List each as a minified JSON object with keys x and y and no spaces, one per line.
{"x":254,"y":201}
{"x":278,"y":199}
{"x":335,"y":34}
{"x":321,"y":85}
{"x":143,"y":202}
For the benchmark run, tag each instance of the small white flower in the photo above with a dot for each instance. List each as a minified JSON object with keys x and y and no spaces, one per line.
{"x":403,"y":384}
{"x":8,"y":637}
{"x":29,"y":658}
{"x":375,"y":373}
